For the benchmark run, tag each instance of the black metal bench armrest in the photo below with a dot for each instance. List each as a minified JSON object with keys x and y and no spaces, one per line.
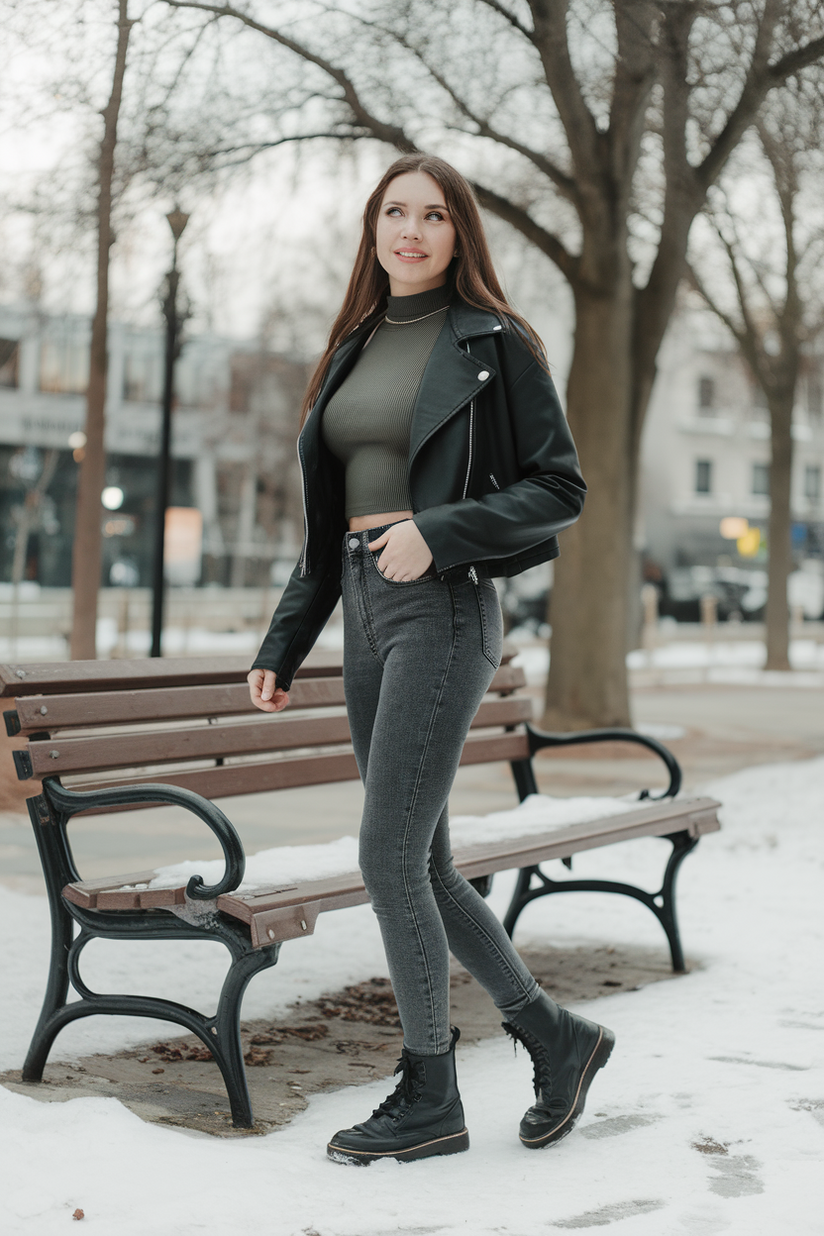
{"x":69,"y":802}
{"x":538,"y":739}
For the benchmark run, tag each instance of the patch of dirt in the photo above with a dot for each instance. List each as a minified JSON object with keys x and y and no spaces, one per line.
{"x":372,"y":1002}
{"x":339,"y":1039}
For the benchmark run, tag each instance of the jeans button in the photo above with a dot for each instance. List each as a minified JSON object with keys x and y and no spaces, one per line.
{"x":353,"y":542}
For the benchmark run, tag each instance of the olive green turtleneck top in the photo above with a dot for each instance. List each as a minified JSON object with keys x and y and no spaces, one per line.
{"x":368,"y":420}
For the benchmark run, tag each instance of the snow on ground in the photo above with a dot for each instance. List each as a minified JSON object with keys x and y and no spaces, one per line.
{"x":708,"y":1119}
{"x":714,"y":660}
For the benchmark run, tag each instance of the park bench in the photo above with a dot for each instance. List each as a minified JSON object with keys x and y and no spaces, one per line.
{"x":107,"y":736}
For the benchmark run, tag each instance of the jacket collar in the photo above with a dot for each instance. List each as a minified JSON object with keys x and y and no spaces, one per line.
{"x":468,"y":321}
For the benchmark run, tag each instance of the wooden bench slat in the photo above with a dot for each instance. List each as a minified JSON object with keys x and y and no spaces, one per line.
{"x":84,"y":709}
{"x":275,"y":732}
{"x":295,"y":907}
{"x":54,"y":677}
{"x":62,"y":712}
{"x":231,"y":779}
{"x":291,"y":772}
{"x":98,"y":753}
{"x":300,"y":908}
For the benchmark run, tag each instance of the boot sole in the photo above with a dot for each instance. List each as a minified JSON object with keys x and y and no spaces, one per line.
{"x":454,"y":1144}
{"x":600,"y":1055}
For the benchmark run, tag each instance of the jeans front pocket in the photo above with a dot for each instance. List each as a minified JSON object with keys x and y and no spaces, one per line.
{"x":429,"y":574}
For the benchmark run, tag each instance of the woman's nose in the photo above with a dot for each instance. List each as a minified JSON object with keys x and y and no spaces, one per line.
{"x":411,"y":229}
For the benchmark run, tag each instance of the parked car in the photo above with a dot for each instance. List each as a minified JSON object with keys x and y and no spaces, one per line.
{"x":740,"y":593}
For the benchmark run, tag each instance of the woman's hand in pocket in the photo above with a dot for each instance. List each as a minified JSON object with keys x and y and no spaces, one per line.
{"x":405,"y":555}
{"x":264,"y":691}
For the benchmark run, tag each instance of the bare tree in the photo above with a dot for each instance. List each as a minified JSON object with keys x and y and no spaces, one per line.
{"x":137,"y":154}
{"x":569,"y":115}
{"x":774,"y":301}
{"x":86,"y":553}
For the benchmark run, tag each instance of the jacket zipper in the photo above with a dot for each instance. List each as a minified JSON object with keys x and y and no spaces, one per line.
{"x":471,"y":427}
{"x":304,"y":553}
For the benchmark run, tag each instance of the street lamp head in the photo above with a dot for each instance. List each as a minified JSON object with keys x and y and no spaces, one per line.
{"x":177,"y":222}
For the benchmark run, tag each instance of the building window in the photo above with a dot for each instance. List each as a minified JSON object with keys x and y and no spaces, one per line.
{"x":761,"y":479}
{"x":815,"y":394}
{"x":9,"y":351}
{"x":812,"y":483}
{"x":141,"y":378}
{"x":703,"y":476}
{"x":706,"y":395}
{"x":64,"y":366}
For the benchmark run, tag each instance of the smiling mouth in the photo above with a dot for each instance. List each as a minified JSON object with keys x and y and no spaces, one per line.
{"x":409,"y":253}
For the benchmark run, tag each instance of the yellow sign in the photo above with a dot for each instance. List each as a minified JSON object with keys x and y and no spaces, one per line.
{"x":749,"y":544}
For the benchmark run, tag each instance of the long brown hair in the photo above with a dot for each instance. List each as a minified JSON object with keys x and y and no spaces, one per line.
{"x":471,"y":272}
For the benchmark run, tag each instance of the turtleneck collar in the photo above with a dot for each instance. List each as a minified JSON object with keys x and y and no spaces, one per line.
{"x":407,"y":308}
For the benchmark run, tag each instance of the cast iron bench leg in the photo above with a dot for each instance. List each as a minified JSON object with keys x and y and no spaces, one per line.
{"x":57,"y":989}
{"x":221,"y":1033}
{"x":661,"y":903}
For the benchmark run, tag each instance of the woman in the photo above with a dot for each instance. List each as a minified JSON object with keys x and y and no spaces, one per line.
{"x":434,"y":456}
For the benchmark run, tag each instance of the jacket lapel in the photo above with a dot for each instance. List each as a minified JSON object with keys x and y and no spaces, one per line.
{"x":452,"y":375}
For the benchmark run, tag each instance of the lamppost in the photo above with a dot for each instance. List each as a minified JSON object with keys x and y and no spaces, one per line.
{"x":177,"y":222}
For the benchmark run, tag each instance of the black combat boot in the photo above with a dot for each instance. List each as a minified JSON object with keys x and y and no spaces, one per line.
{"x":422,"y":1117}
{"x":567,"y":1052}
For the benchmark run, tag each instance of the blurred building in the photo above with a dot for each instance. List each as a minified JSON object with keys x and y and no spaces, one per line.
{"x":705,"y":475}
{"x":234,"y":427}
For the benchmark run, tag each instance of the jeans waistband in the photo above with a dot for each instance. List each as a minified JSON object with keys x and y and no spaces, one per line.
{"x":368,"y":534}
{"x":357,"y":543}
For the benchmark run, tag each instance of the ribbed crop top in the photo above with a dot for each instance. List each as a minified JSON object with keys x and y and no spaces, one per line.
{"x":367,"y":422}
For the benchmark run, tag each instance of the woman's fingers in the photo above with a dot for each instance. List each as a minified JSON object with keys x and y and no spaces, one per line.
{"x":264,"y":692}
{"x":406,"y":554}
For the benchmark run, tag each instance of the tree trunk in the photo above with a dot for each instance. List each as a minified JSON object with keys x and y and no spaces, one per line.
{"x":86,"y":554}
{"x":587,"y":683}
{"x":780,"y":563}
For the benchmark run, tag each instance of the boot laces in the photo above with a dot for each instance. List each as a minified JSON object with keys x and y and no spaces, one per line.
{"x":408,"y":1090}
{"x":542,"y":1073}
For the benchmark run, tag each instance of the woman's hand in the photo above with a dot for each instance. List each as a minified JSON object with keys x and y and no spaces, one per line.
{"x":405,"y":554}
{"x":264,"y":691}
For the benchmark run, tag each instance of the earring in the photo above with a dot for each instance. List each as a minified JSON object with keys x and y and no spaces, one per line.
{"x":456,"y":254}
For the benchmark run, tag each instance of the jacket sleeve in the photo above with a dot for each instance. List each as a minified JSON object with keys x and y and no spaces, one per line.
{"x":547,"y":497}
{"x":301,"y":614}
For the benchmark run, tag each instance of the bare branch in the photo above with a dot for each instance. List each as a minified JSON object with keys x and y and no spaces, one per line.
{"x":794,"y":61}
{"x":510,"y":17}
{"x":634,"y":77}
{"x":761,"y":78}
{"x":564,"y":183}
{"x":581,"y":131}
{"x":394,"y":135}
{"x":523,"y":222}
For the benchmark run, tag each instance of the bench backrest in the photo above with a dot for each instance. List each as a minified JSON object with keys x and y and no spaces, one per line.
{"x":189,"y":722}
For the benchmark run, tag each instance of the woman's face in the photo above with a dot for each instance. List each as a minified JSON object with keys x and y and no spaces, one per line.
{"x":415,"y":235}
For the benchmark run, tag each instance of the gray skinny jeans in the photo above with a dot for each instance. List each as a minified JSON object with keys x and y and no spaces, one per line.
{"x":418,"y":659}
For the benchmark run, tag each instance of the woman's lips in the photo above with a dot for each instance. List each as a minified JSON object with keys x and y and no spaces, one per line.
{"x":409,"y":255}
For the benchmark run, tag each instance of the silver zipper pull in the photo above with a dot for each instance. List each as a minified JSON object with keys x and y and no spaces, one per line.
{"x":473,"y":575}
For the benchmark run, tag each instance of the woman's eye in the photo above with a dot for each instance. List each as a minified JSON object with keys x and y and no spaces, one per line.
{"x":435,"y":214}
{"x":394,"y":210}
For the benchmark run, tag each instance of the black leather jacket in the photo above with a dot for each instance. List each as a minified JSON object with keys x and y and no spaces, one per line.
{"x":493,"y":473}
